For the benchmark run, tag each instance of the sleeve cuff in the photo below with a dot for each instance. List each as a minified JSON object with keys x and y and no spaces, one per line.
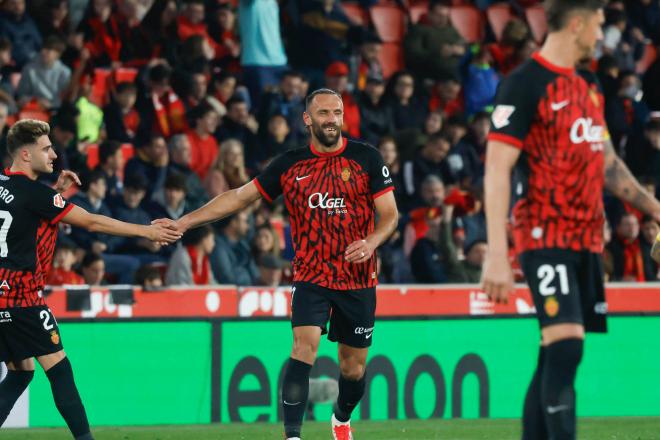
{"x":61,"y":215}
{"x":507,"y":139}
{"x":383,"y":191}
{"x":263,"y":192}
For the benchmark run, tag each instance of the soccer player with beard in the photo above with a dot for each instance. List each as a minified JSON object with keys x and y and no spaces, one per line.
{"x":333,"y":189}
{"x":549,"y":126}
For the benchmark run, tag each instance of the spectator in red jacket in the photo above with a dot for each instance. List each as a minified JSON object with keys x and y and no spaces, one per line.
{"x":62,"y":272}
{"x":203,"y":144}
{"x":191,"y":22}
{"x":104,"y":31}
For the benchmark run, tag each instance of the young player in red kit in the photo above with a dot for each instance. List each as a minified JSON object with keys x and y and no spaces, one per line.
{"x":332,"y":189}
{"x":549,"y":132}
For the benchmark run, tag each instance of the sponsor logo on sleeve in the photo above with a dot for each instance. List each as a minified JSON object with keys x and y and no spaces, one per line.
{"x":501,"y":115}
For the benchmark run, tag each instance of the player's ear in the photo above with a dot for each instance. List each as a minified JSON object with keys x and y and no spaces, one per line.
{"x":24,"y":154}
{"x":576,"y":23}
{"x":307,"y":119}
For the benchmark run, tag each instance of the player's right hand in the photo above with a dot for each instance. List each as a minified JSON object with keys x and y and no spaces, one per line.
{"x":497,"y":278}
{"x":164,"y":232}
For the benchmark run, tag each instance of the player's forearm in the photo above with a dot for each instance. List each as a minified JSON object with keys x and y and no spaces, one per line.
{"x":217,"y":208}
{"x":497,"y":186}
{"x":385,"y":226}
{"x":620,"y":182}
{"x":107,"y":225}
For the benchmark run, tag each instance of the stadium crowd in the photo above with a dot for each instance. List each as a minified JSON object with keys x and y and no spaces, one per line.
{"x":162,"y":105}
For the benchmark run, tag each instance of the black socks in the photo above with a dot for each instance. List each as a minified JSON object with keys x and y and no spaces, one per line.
{"x":533,"y":419}
{"x":350,"y":393}
{"x":67,"y":399}
{"x":11,"y":388}
{"x":295,"y":390}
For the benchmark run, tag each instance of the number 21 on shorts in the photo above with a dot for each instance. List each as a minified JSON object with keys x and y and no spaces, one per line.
{"x":547,"y":273}
{"x":46,"y":316}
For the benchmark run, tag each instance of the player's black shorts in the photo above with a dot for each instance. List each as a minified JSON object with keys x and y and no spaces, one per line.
{"x":28,"y":332}
{"x":567,"y":287}
{"x":352,"y":313}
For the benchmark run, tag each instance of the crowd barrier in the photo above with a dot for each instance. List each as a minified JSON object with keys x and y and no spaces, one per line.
{"x":217,"y":354}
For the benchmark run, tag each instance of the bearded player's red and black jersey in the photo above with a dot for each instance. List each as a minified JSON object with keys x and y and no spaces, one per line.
{"x":330,"y":199}
{"x":556,"y":117}
{"x":29,"y":213}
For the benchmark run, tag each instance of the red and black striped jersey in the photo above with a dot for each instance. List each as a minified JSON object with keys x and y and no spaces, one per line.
{"x":29,"y":213}
{"x":556,"y":117}
{"x":330,"y":199}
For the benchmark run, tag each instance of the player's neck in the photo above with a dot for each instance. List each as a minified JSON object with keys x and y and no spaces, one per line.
{"x":559,"y":51}
{"x":16,"y":168}
{"x":321,"y":148}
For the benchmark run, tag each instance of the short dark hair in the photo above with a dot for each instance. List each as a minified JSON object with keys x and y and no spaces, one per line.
{"x":136,"y":181}
{"x":107,"y":149}
{"x":53,"y":42}
{"x":176,"y":181}
{"x":125,"y":86}
{"x":236,"y":99}
{"x":159,"y":73}
{"x":90,"y":258}
{"x":195,"y":236}
{"x":315,"y":93}
{"x":558,"y":11}
{"x":146,"y":273}
{"x":292,"y":74}
{"x":24,"y":133}
{"x":202,"y":110}
{"x":89,"y":177}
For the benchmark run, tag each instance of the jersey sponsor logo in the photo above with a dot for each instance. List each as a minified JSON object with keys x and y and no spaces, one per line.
{"x":556,"y":106}
{"x":3,"y":177}
{"x":584,"y":130}
{"x":501,"y":115}
{"x":364,"y":331}
{"x":299,"y":178}
{"x":318,"y":200}
{"x":5,"y":317}
{"x":58,"y":201}
{"x":345,"y":174}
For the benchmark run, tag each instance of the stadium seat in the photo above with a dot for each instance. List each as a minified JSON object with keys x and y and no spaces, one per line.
{"x":538,"y":24}
{"x":650,"y":54}
{"x":498,"y":15}
{"x":468,"y":22}
{"x":389,"y":21}
{"x":356,"y":13}
{"x":100,"y":86}
{"x":417,"y":10}
{"x":127,"y":151}
{"x":391,"y":58}
{"x":33,"y":110}
{"x":125,"y":74}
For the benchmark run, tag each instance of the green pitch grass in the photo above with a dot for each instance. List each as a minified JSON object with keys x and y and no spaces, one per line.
{"x":624,"y":428}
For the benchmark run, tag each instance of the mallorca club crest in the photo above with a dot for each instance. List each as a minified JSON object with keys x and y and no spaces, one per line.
{"x":345,"y":174}
{"x":54,"y":337}
{"x":551,"y":306}
{"x":58,"y":201}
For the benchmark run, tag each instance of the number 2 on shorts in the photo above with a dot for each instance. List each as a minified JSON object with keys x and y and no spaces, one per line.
{"x":546,"y":274}
{"x":45,"y":315}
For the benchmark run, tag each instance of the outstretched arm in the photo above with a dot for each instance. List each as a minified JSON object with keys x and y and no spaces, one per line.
{"x":620,"y":182}
{"x":220,"y":206}
{"x":161,"y":233}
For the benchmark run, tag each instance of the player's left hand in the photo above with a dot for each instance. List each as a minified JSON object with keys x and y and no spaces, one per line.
{"x":168,"y":230}
{"x":359,"y":251}
{"x":65,"y":180}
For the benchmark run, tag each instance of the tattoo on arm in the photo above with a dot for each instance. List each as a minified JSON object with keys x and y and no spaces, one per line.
{"x":620,"y":181}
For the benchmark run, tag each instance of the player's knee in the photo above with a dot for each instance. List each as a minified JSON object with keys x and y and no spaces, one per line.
{"x":304,"y":350}
{"x":352,"y":370}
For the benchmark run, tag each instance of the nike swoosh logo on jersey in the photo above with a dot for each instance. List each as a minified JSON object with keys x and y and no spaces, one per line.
{"x":298,"y":178}
{"x":556,"y":106}
{"x":556,"y":409}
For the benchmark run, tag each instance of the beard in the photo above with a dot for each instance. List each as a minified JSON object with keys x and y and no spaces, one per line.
{"x":586,"y":52}
{"x":327,"y":139}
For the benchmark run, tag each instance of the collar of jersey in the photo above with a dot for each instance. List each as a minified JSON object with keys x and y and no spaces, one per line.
{"x":550,"y":66}
{"x":9,"y":172}
{"x":333,"y":153}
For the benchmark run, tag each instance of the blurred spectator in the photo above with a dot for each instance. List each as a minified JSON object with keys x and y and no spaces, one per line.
{"x":127,"y":208}
{"x":626,"y":48}
{"x":645,"y":15}
{"x":104,"y":33}
{"x":276,"y":140}
{"x":149,"y":277}
{"x":52,"y":18}
{"x":151,"y":161}
{"x":515,"y":46}
{"x":367,"y":63}
{"x":262,"y":56}
{"x":181,"y":153}
{"x":467,"y":159}
{"x":93,"y":269}
{"x":111,"y":162}
{"x":460,"y":271}
{"x":433,"y":49}
{"x":643,"y":151}
{"x":223,"y":30}
{"x":375,"y":115}
{"x":21,"y":30}
{"x":433,"y":197}
{"x":608,"y":76}
{"x":90,"y":121}
{"x":474,"y":219}
{"x":336,"y":78}
{"x":232,"y":261}
{"x":191,"y":22}
{"x":239,"y":124}
{"x":407,"y":108}
{"x":7,"y":90}
{"x":651,"y":85}
{"x":265,"y":242}
{"x":426,"y":260}
{"x":4,"y":155}
{"x":481,"y":82}
{"x":63,"y":137}
{"x":271,"y":269}
{"x":190,"y":263}
{"x":228,"y":170}
{"x":171,"y":203}
{"x":322,"y":38}
{"x":626,"y":250}
{"x":433,"y":123}
{"x":625,"y":113}
{"x":120,"y":116}
{"x":156,"y":35}
{"x":430,"y":160}
{"x":161,"y":110}
{"x":389,"y":151}
{"x":196,"y":87}
{"x":62,"y":271}
{"x":45,"y":78}
{"x":287,"y":101}
{"x":446,"y":97}
{"x":650,"y":231}
{"x":223,"y":87}
{"x":204,"y":147}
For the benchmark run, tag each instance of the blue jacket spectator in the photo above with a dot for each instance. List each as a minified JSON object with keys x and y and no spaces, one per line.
{"x":21,"y":30}
{"x":232,"y":260}
{"x":150,"y":161}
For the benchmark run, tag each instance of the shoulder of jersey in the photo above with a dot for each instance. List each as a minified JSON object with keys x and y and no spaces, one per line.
{"x":528,"y":73}
{"x":361,"y":146}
